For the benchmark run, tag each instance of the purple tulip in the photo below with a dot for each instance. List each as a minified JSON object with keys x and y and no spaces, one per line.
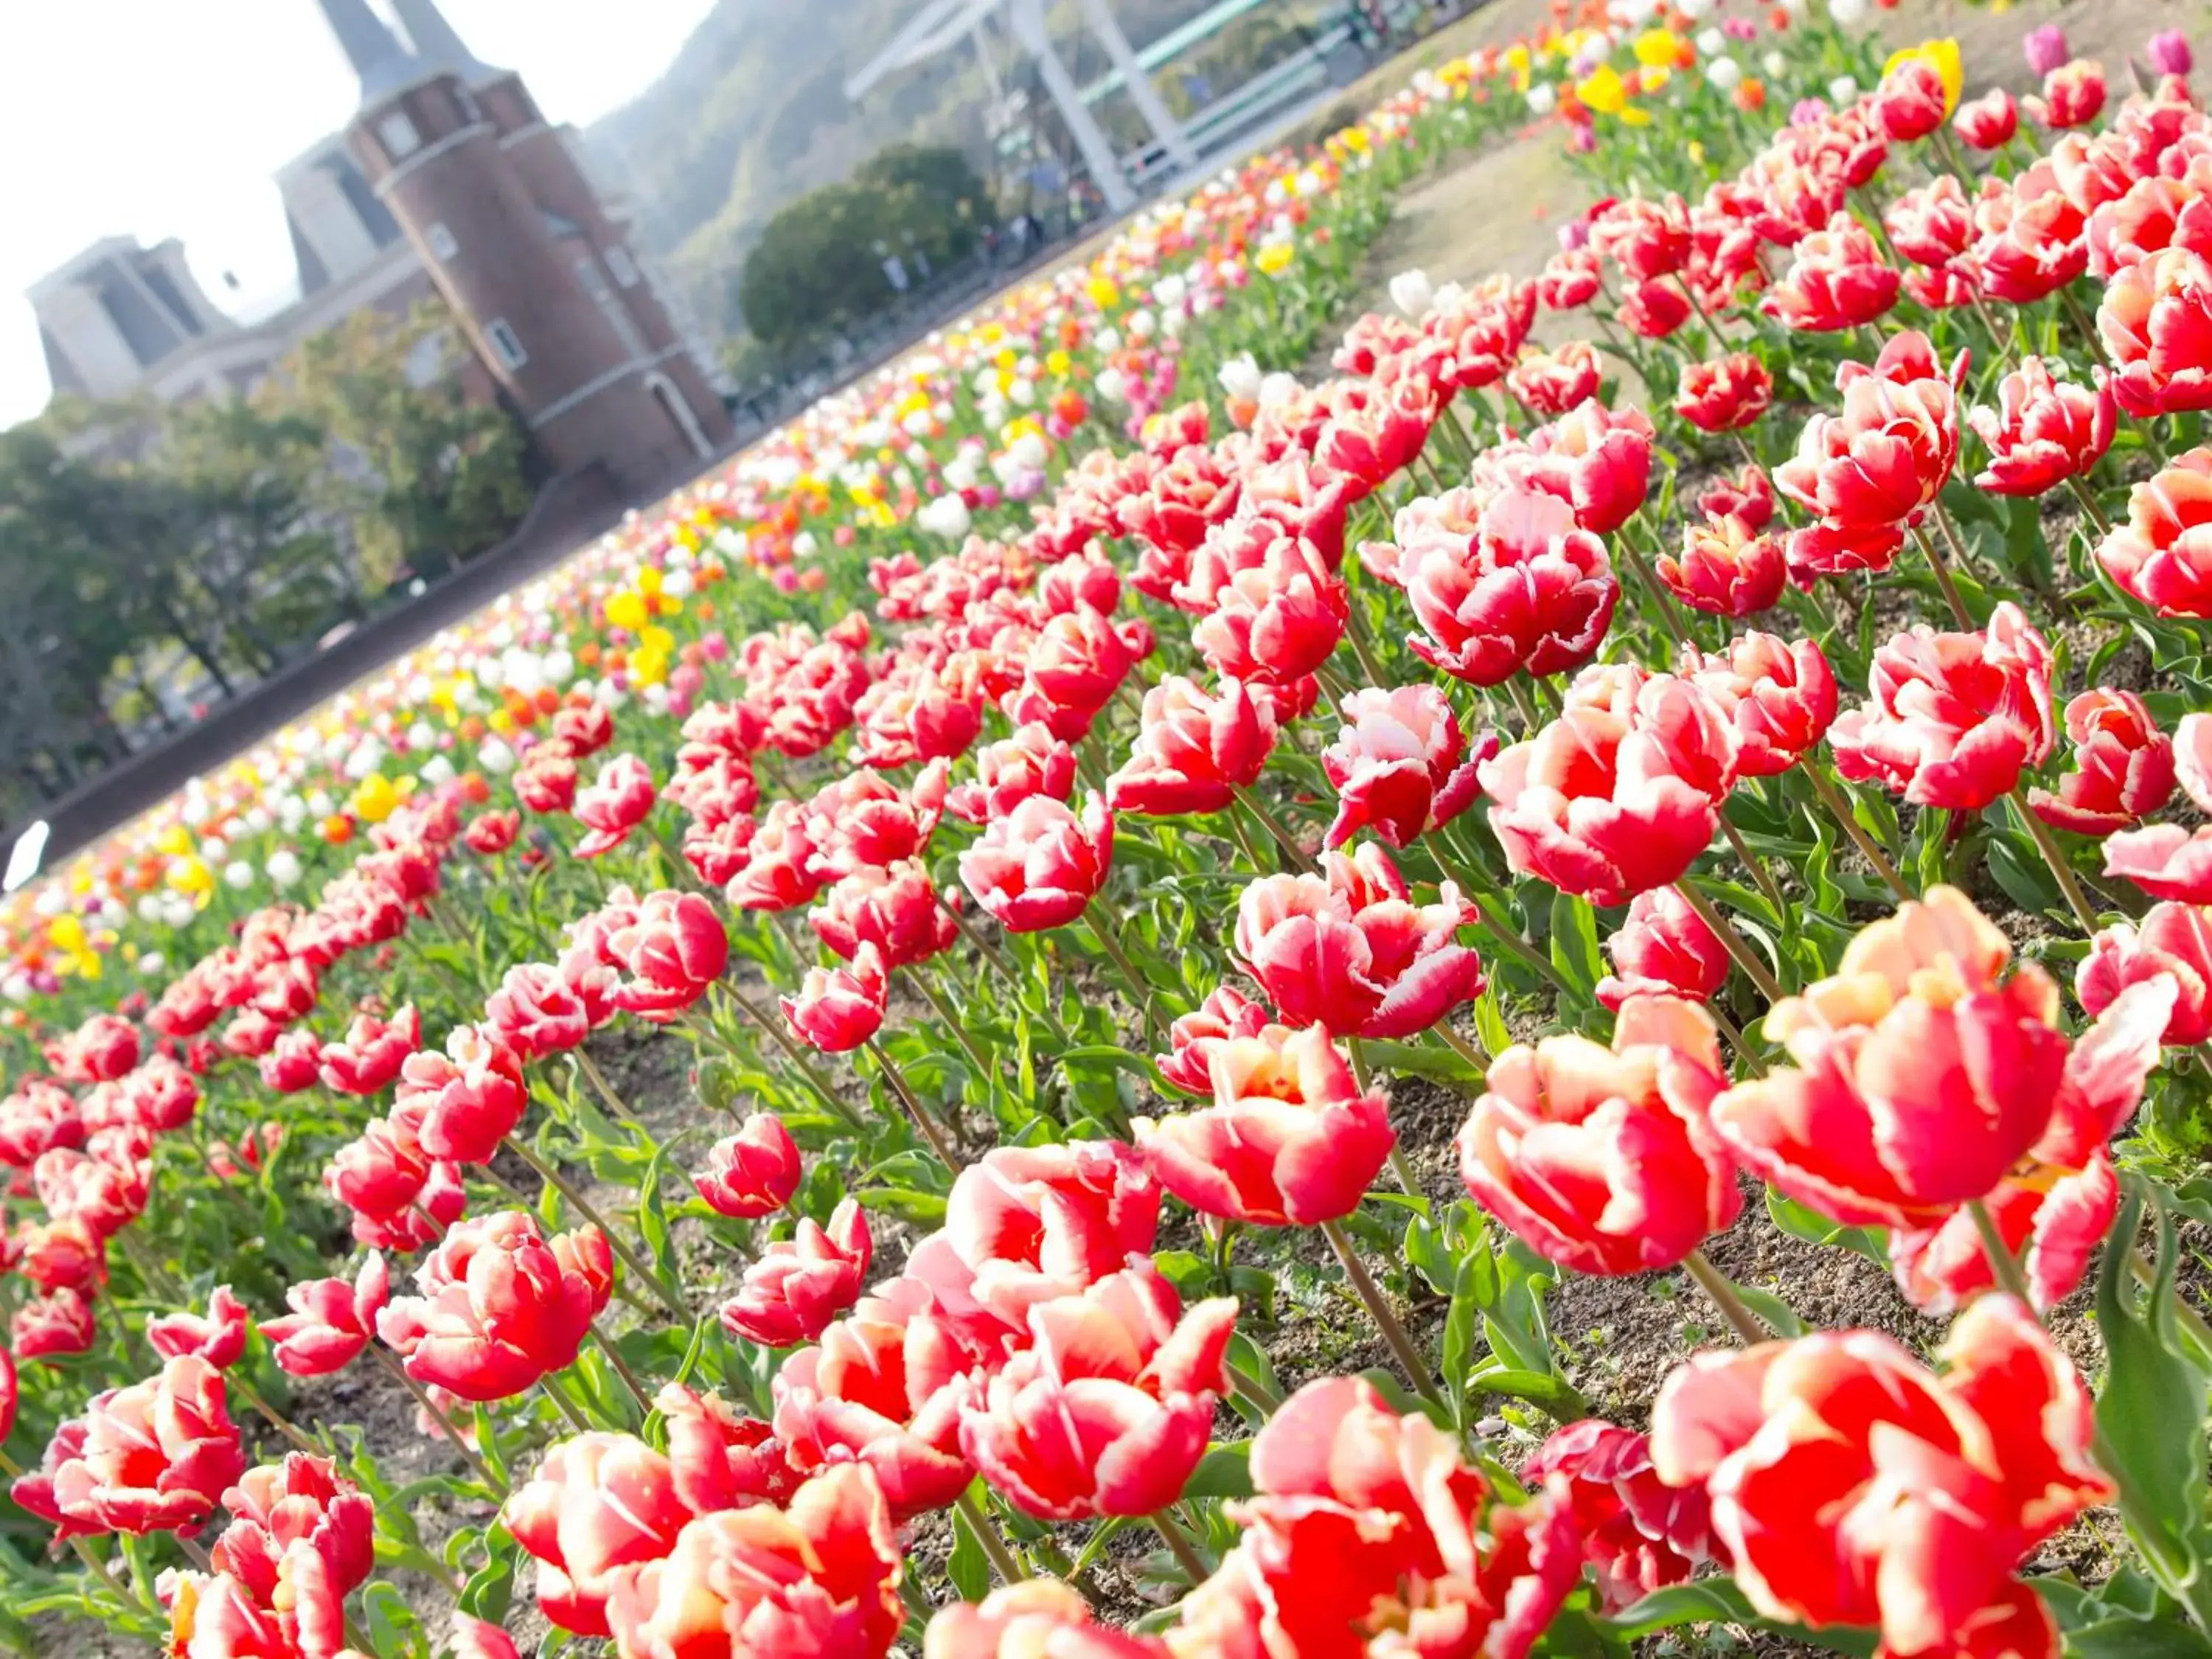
{"x":2170,"y":53}
{"x":2046,"y":47}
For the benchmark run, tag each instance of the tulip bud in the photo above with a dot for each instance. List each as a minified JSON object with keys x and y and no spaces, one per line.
{"x":752,"y":1173}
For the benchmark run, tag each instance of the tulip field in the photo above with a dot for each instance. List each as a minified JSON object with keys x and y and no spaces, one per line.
{"x":1073,"y":1011}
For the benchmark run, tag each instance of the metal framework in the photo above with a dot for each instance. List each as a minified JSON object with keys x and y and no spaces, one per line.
{"x":942,"y":24}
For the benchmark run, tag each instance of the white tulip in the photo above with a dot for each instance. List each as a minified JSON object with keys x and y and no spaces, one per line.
{"x":1413,"y":293}
{"x":946,"y":516}
{"x":1240,"y":378}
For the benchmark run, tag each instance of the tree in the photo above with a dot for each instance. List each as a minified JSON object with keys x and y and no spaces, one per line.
{"x":144,"y":548}
{"x":426,"y":478}
{"x":818,"y":267}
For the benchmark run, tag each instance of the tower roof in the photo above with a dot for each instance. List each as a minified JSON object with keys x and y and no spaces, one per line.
{"x":436,"y":42}
{"x":383,"y":65}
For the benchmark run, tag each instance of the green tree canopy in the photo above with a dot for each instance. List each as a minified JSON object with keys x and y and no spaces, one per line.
{"x":151,"y":555}
{"x":818,"y":266}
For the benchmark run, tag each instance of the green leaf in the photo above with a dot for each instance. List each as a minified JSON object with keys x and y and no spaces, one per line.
{"x":490,"y":1588}
{"x":2126,"y":1636}
{"x":1721,"y":1601}
{"x":2150,"y":1417}
{"x":1546,"y":1390}
{"x":1226,"y":1471}
{"x":1781,"y":1318}
{"x":2025,"y":547}
{"x":968,"y":1566}
{"x":1801,"y":1222}
{"x":1490,"y":1024}
{"x":652,"y":1213}
{"x":1443,"y":1064}
{"x":1574,"y":942}
{"x":926,"y":1209}
{"x":2018,"y":867}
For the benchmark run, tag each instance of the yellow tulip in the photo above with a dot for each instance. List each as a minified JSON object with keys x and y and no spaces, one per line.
{"x":648,"y":580}
{"x":374,"y":798}
{"x":189,"y":875}
{"x":1656,"y":48}
{"x":1275,"y":256}
{"x":1057,"y":363}
{"x":626,"y":610}
{"x":1605,"y":92}
{"x":1942,"y":57}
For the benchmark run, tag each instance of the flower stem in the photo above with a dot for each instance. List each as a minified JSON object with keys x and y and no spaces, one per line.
{"x":1490,"y":911}
{"x":781,"y":1038}
{"x":1393,"y":1334}
{"x":1179,"y":1545}
{"x":1943,"y":578}
{"x":437,"y":1414}
{"x":1274,"y":826}
{"x":621,"y":1368}
{"x":2102,"y":524}
{"x":2054,"y":856}
{"x":1733,"y":1033}
{"x":606,"y":1090}
{"x":1736,"y":945}
{"x":1244,"y":1382}
{"x":1460,"y":1046}
{"x":2004,"y":1265}
{"x":934,"y":995}
{"x":986,"y":1533}
{"x":1832,"y":798}
{"x":922,"y":1120}
{"x":1749,"y":1327}
{"x":567,"y":1406}
{"x":1108,"y":937}
{"x":630,"y":1259}
{"x":1750,"y":860}
{"x":997,"y":963}
{"x":275,"y":1418}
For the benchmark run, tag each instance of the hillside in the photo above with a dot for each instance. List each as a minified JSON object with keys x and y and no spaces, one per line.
{"x":752,"y":113}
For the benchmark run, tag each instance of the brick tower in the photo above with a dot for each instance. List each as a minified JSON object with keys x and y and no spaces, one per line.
{"x":567,"y":318}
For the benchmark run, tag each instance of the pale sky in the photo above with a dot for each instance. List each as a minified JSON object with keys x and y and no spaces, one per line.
{"x":168,"y":118}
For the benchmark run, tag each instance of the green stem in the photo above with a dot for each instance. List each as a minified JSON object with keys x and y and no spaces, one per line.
{"x":565,"y":1406}
{"x":1393,"y":1334}
{"x":1108,"y":934}
{"x":1747,"y":957}
{"x":621,"y":1369}
{"x":1244,"y":1382}
{"x":934,"y":995}
{"x":2054,"y":856}
{"x":1750,"y":860}
{"x":636,"y":1264}
{"x":772,"y":1025}
{"x":437,"y":1414}
{"x":1840,"y":810}
{"x":2004,"y":1265}
{"x":1185,"y":1552}
{"x":922,"y":1121}
{"x":986,"y":1533}
{"x":1749,"y":1327}
{"x":1275,"y":827}
{"x":1943,"y":578}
